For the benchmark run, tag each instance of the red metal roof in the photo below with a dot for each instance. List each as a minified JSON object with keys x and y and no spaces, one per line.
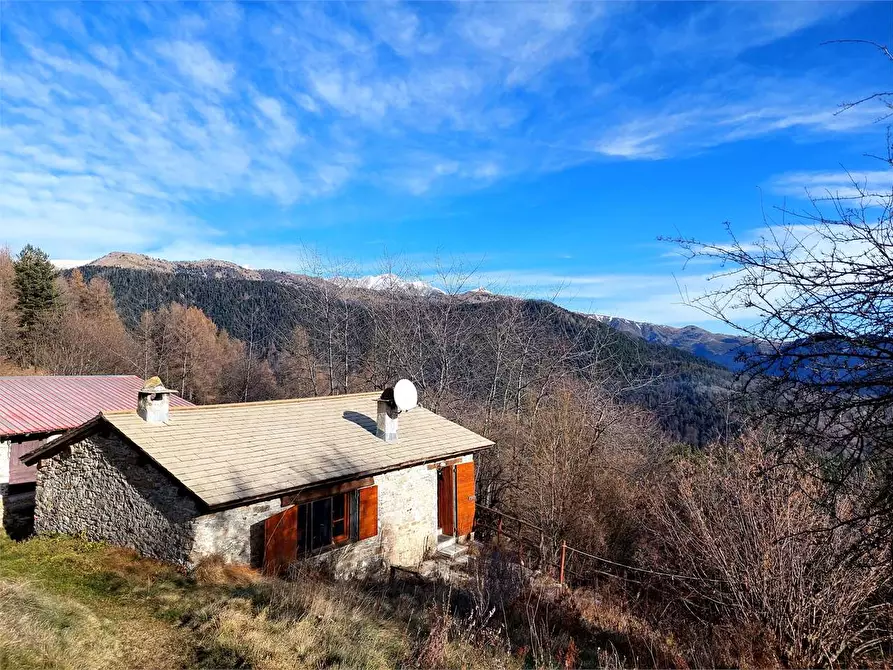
{"x":51,"y":404}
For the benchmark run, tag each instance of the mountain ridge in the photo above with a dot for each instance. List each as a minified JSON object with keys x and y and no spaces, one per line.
{"x":687,"y":392}
{"x":724,"y":349}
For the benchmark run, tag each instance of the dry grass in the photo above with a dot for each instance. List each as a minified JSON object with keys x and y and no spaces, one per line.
{"x":311,"y":623}
{"x":40,"y":630}
{"x":67,"y":603}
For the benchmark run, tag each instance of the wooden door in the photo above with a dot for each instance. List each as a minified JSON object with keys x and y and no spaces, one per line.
{"x":19,"y":473}
{"x":280,"y":541}
{"x":445,"y":500}
{"x":367,"y":525}
{"x":465,"y":498}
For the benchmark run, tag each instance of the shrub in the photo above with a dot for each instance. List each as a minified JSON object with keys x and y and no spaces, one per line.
{"x":760,"y":552}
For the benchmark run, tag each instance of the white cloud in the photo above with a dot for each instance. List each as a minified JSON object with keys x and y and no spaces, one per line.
{"x":662,"y":298}
{"x":283,"y":133}
{"x":134,"y":118}
{"x":874,"y":184}
{"x":195,"y":61}
{"x":68,"y":263}
{"x":693,"y":121}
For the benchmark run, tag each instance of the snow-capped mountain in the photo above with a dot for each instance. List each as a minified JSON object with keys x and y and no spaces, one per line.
{"x":391,"y":282}
{"x":720,"y":348}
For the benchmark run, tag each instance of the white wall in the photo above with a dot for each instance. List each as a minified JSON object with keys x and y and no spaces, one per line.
{"x":4,"y":463}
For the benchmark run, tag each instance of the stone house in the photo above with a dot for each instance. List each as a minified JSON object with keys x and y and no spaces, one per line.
{"x":35,"y":410}
{"x":264,"y":483}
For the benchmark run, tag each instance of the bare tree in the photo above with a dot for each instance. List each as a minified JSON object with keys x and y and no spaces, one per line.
{"x":333,"y":327}
{"x":744,"y":548}
{"x":815,"y":292}
{"x":299,"y":373}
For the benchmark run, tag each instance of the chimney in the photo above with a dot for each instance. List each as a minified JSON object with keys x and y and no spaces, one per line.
{"x":386,"y":424}
{"x":153,"y":401}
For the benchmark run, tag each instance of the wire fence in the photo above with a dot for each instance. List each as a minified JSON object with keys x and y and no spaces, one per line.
{"x":535,"y":550}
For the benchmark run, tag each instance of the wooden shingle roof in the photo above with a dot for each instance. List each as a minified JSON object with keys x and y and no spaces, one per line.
{"x":230,"y":453}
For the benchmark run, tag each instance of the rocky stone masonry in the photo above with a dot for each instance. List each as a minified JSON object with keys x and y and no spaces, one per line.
{"x":407,"y":526}
{"x":109,"y":492}
{"x":236,"y":535}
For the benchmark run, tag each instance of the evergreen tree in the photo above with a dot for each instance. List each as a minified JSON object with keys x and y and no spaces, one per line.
{"x":36,"y":294}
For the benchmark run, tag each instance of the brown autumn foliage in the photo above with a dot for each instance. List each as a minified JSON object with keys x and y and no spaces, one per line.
{"x":83,"y":334}
{"x":187,"y":350}
{"x":735,"y":526}
{"x":7,"y":303}
{"x":577,"y":469}
{"x":90,"y":337}
{"x":749,"y":535}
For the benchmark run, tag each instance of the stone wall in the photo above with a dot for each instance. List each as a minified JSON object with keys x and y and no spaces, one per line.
{"x":236,"y":535}
{"x":407,"y":514}
{"x":109,"y":492}
{"x":407,"y":526}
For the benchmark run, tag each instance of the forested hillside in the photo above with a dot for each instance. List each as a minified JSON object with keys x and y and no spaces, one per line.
{"x":496,"y":350}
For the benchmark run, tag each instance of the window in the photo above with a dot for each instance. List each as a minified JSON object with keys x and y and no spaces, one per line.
{"x":321,"y":523}
{"x":324,"y":523}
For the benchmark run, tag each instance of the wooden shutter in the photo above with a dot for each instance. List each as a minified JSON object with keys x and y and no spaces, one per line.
{"x":280,"y":541}
{"x":367,"y":525}
{"x":464,"y":498}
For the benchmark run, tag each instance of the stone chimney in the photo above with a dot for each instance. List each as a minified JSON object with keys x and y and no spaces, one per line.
{"x":153,"y":401}
{"x":386,"y":424}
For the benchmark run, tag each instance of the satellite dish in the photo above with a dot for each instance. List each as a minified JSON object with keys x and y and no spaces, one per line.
{"x":405,"y":395}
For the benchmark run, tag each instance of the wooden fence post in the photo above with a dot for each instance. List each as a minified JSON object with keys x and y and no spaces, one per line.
{"x":520,"y":544}
{"x":561,"y":571}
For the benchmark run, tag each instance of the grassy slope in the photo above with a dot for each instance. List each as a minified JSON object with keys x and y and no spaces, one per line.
{"x":68,"y":603}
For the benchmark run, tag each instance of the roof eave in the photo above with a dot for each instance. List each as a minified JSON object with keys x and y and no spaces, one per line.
{"x":89,"y":428}
{"x":32,"y":434}
{"x":263,"y":497}
{"x":70,"y":437}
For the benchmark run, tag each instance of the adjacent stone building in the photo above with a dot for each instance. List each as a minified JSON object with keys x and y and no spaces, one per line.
{"x":34,"y":410}
{"x":263,"y":483}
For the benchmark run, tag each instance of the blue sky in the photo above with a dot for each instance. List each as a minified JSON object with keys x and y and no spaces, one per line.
{"x":547,"y":144}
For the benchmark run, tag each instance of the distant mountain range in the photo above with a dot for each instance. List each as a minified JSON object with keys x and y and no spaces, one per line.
{"x":215,"y":269}
{"x":688,"y":393}
{"x":723,"y":349}
{"x":718,"y":348}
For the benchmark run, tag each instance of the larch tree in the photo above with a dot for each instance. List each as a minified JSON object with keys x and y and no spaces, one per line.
{"x":93,"y":340}
{"x":299,"y":373}
{"x":7,"y":304}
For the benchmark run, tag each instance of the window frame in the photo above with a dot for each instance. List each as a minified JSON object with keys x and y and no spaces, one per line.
{"x":349,"y":519}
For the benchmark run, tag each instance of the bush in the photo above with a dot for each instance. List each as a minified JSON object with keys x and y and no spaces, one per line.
{"x":761,"y":553}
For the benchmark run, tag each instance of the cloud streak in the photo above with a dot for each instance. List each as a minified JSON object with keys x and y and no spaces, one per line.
{"x":124,"y":125}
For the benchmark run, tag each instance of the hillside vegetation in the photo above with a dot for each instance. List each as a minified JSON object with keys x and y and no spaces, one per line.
{"x":768,"y":547}
{"x":70,"y":604}
{"x":357,"y":333}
